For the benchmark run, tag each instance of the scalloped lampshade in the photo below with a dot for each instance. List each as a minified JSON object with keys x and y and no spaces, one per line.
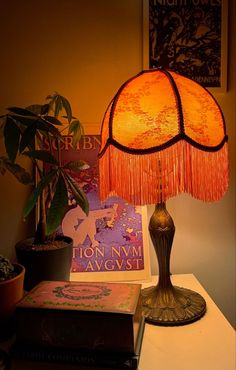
{"x":164,"y":134}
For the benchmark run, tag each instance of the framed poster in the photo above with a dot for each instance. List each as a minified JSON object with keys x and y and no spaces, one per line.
{"x":111,"y":243}
{"x":189,"y":37}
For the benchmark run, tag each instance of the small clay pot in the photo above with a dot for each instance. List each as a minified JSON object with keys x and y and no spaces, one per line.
{"x":11,"y":291}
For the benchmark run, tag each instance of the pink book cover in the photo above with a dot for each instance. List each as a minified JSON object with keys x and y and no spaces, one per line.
{"x":83,"y":296}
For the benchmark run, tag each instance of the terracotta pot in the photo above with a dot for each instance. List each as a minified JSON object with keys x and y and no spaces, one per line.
{"x":45,"y":263}
{"x":11,"y":291}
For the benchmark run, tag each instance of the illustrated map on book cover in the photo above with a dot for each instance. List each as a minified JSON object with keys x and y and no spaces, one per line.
{"x":81,"y":315}
{"x":110,"y":244}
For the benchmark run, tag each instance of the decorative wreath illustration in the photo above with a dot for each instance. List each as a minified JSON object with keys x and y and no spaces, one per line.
{"x":81,"y":291}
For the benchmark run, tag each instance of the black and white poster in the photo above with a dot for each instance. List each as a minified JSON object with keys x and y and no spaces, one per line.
{"x":186,"y":36}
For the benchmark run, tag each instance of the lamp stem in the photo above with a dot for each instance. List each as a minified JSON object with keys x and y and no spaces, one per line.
{"x":159,"y":222}
{"x":165,"y":304}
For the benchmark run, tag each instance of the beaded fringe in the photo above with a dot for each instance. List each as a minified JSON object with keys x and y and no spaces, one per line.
{"x":154,"y":178}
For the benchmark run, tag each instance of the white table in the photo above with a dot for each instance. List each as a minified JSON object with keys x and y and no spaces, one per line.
{"x":207,"y":344}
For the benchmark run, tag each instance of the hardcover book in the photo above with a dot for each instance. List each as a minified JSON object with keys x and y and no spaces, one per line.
{"x":38,"y":358}
{"x":104,"y":317}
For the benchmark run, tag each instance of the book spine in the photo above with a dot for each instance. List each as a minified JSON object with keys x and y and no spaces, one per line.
{"x":113,"y":361}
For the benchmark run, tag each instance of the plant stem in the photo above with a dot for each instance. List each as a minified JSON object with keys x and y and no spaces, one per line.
{"x":40,"y":235}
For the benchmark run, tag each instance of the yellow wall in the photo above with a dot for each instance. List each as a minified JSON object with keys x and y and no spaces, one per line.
{"x":85,"y":50}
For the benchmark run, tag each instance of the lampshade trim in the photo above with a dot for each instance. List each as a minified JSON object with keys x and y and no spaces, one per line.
{"x":174,"y":140}
{"x":156,"y":177}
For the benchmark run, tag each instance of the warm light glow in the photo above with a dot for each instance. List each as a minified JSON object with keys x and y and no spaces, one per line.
{"x":163,"y":134}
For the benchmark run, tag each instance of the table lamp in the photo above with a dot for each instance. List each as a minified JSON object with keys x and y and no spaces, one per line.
{"x":164,"y":134}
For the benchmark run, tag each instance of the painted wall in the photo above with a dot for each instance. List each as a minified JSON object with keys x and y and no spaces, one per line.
{"x":85,"y":50}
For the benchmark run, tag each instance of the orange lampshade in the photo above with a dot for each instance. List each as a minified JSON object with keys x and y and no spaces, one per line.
{"x":163,"y":134}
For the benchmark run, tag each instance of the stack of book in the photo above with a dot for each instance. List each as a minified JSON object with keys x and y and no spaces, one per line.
{"x":79,"y":325}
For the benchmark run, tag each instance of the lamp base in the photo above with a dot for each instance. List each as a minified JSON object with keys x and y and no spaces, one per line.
{"x":172,"y":306}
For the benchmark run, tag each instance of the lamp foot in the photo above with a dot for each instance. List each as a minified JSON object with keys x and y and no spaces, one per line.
{"x":172,"y":306}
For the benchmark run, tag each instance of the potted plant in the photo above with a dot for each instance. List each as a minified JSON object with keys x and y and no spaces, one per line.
{"x":46,"y":255}
{"x":11,"y":291}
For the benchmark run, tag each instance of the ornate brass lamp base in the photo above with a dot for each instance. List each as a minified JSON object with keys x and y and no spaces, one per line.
{"x":165,"y":304}
{"x":173,"y":306}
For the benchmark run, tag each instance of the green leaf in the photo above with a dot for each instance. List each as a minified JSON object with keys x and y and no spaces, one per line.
{"x":22,"y":120}
{"x":78,"y":193}
{"x":51,"y":99}
{"x":58,"y":206}
{"x":35,"y":108}
{"x":53,"y":120}
{"x":76,"y":130}
{"x":45,"y":109}
{"x":58,"y":105}
{"x":19,"y":172}
{"x":76,"y":166}
{"x":41,"y":155}
{"x":38,"y":109}
{"x":66,"y":105}
{"x":28,"y":137}
{"x":45,"y":126}
{"x":21,"y":111}
{"x":11,"y":138}
{"x":37,"y":191}
{"x":74,"y":126}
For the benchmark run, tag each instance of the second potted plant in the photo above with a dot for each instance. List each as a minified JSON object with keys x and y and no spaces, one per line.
{"x":11,"y":291}
{"x":46,"y":255}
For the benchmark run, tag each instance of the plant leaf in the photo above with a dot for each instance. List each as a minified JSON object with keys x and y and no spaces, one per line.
{"x":41,"y":155}
{"x":74,"y":126}
{"x":35,"y":108}
{"x":51,"y":102}
{"x":37,"y":191}
{"x":21,"y":111}
{"x":45,"y":109}
{"x":22,"y":120}
{"x":38,"y":109}
{"x":78,"y":193}
{"x":19,"y":172}
{"x":53,"y":120}
{"x":11,"y":138}
{"x":58,"y":206}
{"x":66,"y":105}
{"x":76,"y":166}
{"x":45,"y":126}
{"x":28,"y":137}
{"x":58,"y":105}
{"x":77,"y":131}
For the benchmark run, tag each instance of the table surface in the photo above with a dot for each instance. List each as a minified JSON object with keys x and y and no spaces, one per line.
{"x":207,"y":344}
